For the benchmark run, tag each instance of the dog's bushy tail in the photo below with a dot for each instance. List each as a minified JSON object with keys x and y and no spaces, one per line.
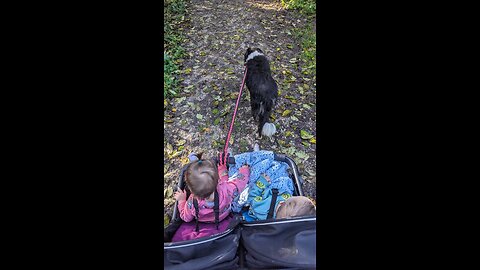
{"x":268,"y":129}
{"x":264,"y":127}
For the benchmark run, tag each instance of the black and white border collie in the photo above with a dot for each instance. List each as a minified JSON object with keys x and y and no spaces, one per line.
{"x":263,"y":90}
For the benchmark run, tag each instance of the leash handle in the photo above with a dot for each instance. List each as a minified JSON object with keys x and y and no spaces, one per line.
{"x":234,"y":114}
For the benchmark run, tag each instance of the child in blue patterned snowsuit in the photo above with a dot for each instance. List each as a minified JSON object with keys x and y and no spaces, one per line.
{"x":258,"y":195}
{"x":260,"y":198}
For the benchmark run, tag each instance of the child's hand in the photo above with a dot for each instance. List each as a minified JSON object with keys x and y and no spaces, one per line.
{"x":245,"y":166}
{"x":266,"y":177}
{"x":180,"y":195}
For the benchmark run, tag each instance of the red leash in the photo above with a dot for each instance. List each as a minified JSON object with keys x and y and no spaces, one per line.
{"x":234,"y":114}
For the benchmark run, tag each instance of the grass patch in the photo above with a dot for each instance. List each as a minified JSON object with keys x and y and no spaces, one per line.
{"x":174,"y":15}
{"x":307,"y":7}
{"x":307,"y":34}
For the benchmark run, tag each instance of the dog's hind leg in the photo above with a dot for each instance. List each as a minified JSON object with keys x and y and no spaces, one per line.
{"x":255,"y":107}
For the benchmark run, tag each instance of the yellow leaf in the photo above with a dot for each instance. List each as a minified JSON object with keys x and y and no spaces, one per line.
{"x":181,"y":142}
{"x":286,"y":112}
{"x":185,"y":160}
{"x":169,"y":148}
{"x":168,"y":192}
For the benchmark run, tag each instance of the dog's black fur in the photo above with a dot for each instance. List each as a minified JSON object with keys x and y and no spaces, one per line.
{"x":263,"y":88}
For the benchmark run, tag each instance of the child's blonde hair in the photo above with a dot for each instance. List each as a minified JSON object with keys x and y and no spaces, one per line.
{"x":202,"y":178}
{"x":296,"y":206}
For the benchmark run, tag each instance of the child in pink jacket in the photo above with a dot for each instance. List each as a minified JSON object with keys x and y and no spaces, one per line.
{"x":203,"y":177}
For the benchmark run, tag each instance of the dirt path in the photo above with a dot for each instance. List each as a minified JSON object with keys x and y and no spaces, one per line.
{"x":218,"y":34}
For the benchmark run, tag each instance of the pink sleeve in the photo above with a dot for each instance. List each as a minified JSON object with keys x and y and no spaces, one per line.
{"x":223,"y":173}
{"x":185,"y":213}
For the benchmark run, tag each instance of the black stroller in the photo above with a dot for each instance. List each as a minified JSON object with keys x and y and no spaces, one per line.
{"x":266,"y":244}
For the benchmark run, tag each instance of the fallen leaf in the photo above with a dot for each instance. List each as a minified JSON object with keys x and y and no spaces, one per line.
{"x":165,"y":168}
{"x":169,"y":148}
{"x":286,"y":112}
{"x":313,"y":140}
{"x":290,"y":151}
{"x":168,"y":192}
{"x":181,"y":142}
{"x":175,"y":154}
{"x":199,"y":116}
{"x":290,"y":97}
{"x":166,"y":220}
{"x":301,"y":155}
{"x":185,"y":161}
{"x":179,"y":100}
{"x":305,"y":135}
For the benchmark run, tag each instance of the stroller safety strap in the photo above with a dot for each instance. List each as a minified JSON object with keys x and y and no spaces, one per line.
{"x":272,"y":203}
{"x":215,"y":209}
